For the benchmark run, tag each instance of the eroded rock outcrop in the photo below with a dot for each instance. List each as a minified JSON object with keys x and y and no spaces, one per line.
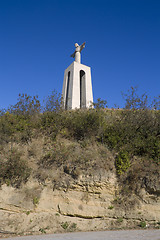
{"x":87,"y":203}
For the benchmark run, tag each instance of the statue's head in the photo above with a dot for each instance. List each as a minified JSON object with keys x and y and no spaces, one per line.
{"x":76,"y":44}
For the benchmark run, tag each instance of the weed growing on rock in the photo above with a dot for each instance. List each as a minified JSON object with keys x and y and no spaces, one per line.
{"x":73,"y":226}
{"x":120,"y":219}
{"x":42,"y":230}
{"x":111,"y":207}
{"x":28,"y":212}
{"x":35,"y":201}
{"x":142,"y":224}
{"x":65,"y":225}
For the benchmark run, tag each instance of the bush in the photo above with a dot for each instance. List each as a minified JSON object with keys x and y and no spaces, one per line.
{"x":26,"y":105}
{"x":51,"y":123}
{"x":122,"y":162}
{"x":15,"y":127}
{"x":83,"y":124}
{"x":14,"y":170}
{"x":53,"y":103}
{"x":100,"y":104}
{"x":135,"y":131}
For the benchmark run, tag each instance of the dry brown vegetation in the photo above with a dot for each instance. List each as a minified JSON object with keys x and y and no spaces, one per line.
{"x":55,"y":144}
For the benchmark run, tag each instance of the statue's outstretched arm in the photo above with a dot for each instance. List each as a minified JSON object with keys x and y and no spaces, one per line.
{"x":82,"y":46}
{"x":73,"y":55}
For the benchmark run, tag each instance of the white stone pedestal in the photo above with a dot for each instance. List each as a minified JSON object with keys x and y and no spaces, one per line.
{"x":77,"y":87}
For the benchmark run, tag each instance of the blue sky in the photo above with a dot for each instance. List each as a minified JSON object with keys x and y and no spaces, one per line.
{"x":37,"y":38}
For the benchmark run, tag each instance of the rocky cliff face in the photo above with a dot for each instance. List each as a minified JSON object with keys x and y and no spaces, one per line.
{"x":90,"y":202}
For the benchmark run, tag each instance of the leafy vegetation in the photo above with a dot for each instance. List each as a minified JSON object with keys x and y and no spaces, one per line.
{"x":110,"y":207}
{"x":143,"y":224}
{"x":35,"y":201}
{"x":122,"y":162}
{"x":14,"y":169}
{"x":129,"y":133}
{"x":65,"y":225}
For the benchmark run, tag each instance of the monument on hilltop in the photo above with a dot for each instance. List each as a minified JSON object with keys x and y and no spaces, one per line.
{"x":77,"y":84}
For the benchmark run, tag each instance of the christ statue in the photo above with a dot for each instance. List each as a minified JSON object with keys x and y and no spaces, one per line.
{"x":77,"y":53}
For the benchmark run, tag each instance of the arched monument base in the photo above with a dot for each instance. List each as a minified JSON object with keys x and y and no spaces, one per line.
{"x":77,"y":87}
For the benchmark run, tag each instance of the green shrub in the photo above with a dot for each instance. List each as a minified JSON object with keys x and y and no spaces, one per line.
{"x":53,"y":103}
{"x":16,"y":127}
{"x":122,"y":162}
{"x":65,"y":225}
{"x":26,"y":106}
{"x":135,"y":131}
{"x":51,"y":124}
{"x":143,"y":224}
{"x":14,"y":170}
{"x":82,"y":124}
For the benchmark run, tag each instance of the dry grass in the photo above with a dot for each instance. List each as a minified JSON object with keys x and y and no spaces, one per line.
{"x":62,"y":161}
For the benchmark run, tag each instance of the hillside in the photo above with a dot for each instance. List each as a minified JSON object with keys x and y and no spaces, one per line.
{"x":78,"y":170}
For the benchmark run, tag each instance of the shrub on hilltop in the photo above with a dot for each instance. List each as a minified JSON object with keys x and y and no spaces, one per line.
{"x":129,"y":133}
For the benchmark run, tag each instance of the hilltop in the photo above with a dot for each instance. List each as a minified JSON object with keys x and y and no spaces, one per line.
{"x":76,"y":170}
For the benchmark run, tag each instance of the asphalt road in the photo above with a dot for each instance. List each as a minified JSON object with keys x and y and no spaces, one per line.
{"x":105,"y":235}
